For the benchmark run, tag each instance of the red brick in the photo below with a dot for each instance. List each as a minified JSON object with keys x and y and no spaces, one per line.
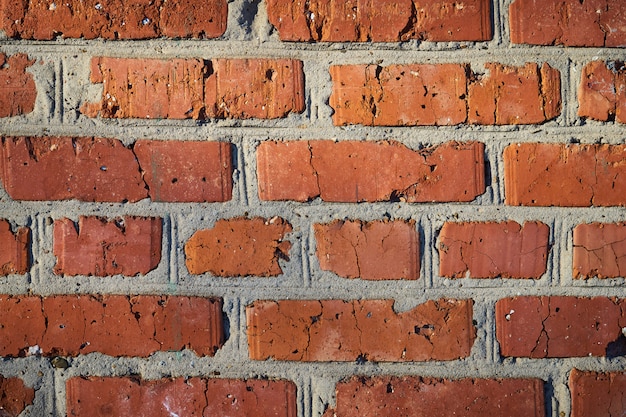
{"x":338,"y":330}
{"x":197,"y":88}
{"x":239,"y":247}
{"x":381,"y":20}
{"x":101,"y":247}
{"x":181,"y":171}
{"x":89,"y":19}
{"x":99,"y":397}
{"x":444,"y":94}
{"x":600,"y":250}
{"x":602,"y":91}
{"x":64,"y":168}
{"x":14,"y":396}
{"x":18,"y":87}
{"x":14,"y":249}
{"x":543,"y":174}
{"x":569,"y":22}
{"x":597,"y":394}
{"x":358,"y":171}
{"x":369,"y":250}
{"x":489,"y":250}
{"x":560,"y":327}
{"x":382,"y":396}
{"x":115,"y":325}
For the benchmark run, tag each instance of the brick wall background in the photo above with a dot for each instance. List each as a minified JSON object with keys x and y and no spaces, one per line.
{"x":290,"y":208}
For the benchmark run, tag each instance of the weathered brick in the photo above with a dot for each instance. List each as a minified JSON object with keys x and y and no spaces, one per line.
{"x":369,"y":250}
{"x":14,"y":396}
{"x":489,"y":250}
{"x":602,"y":91}
{"x":568,"y":22}
{"x":197,"y":88}
{"x":14,"y":249}
{"x":183,"y":171}
{"x":544,"y":174}
{"x":108,"y":19}
{"x":18,"y":87}
{"x":338,"y":330}
{"x":600,"y":250}
{"x":381,"y":20}
{"x":115,"y":325}
{"x":560,"y":326}
{"x":99,"y":397}
{"x":597,"y":394}
{"x":386,"y":396}
{"x":239,"y":247}
{"x":358,"y":171}
{"x":444,"y":94}
{"x":64,"y":168}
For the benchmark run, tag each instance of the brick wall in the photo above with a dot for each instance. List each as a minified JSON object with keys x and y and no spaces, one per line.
{"x":312,"y":208}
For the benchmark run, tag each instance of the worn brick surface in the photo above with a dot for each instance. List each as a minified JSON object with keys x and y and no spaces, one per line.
{"x":239,"y":247}
{"x":17,"y":86}
{"x":602,"y":91}
{"x":381,"y":20}
{"x":98,"y":396}
{"x":600,"y":250}
{"x":597,"y":394}
{"x":489,"y":250}
{"x":542,"y":174}
{"x":355,"y":171}
{"x":14,"y":249}
{"x":560,"y":326}
{"x":184,"y":171}
{"x":338,"y":330}
{"x":14,"y":396}
{"x":369,"y":250}
{"x":101,"y":247}
{"x":115,"y":325}
{"x":568,"y":22}
{"x":444,"y":94}
{"x":113,"y":19}
{"x":387,"y":396}
{"x":197,"y":88}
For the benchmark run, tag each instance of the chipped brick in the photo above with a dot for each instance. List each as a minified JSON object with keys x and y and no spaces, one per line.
{"x":602,"y":92}
{"x":600,"y":250}
{"x":14,"y":249}
{"x":598,"y":394}
{"x":338,"y":330}
{"x":17,"y":86}
{"x":356,"y":171}
{"x":14,"y":396}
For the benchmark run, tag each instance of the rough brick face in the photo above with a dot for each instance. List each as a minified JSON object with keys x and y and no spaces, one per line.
{"x":489,"y":250}
{"x":387,"y":396}
{"x":602,"y":91}
{"x":369,"y":250}
{"x":338,"y":330}
{"x":14,"y":396}
{"x":101,"y":247}
{"x":197,"y":88}
{"x":568,"y":22}
{"x":597,"y":394}
{"x":115,"y":325}
{"x":239,"y":247}
{"x":444,"y":94}
{"x":97,"y":396}
{"x":600,"y":250}
{"x":89,"y":19}
{"x":14,"y":249}
{"x":354,"y":171}
{"x":18,"y":87}
{"x":381,"y":20}
{"x":181,"y":171}
{"x":560,"y":326}
{"x":542,"y":174}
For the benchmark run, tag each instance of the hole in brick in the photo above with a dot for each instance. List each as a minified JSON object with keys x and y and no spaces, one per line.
{"x":174,"y":180}
{"x":270,"y":74}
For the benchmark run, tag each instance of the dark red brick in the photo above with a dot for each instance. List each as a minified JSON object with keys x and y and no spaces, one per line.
{"x":358,"y":171}
{"x":597,"y":394}
{"x":14,"y":249}
{"x":14,"y":396}
{"x":18,"y":87}
{"x":600,"y":250}
{"x":602,"y":92}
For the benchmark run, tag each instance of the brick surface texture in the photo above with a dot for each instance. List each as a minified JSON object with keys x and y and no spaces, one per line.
{"x":599,"y":250}
{"x":15,"y":396}
{"x":14,"y":249}
{"x":602,"y":91}
{"x":18,"y":87}
{"x":598,"y":394}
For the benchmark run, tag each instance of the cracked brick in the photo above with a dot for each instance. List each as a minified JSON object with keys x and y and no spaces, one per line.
{"x":340,"y":330}
{"x":602,"y":91}
{"x":373,"y":250}
{"x":489,"y":250}
{"x":239,"y":247}
{"x":381,"y":21}
{"x":18,"y":87}
{"x":115,"y":325}
{"x":103,"y":247}
{"x":358,"y":171}
{"x":14,"y":249}
{"x":544,"y":174}
{"x":89,"y":19}
{"x":598,"y":394}
{"x":599,"y":250}
{"x":14,"y":396}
